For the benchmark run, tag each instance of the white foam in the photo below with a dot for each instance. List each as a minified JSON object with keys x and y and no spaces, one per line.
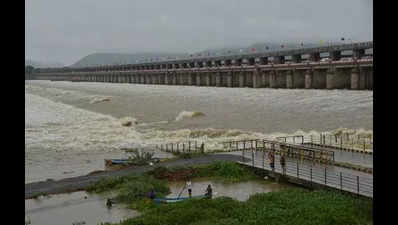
{"x":98,"y":99}
{"x":61,"y":135}
{"x":188,"y":114}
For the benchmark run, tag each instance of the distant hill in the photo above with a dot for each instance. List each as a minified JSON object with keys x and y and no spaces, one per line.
{"x":97,"y":59}
{"x":39,"y":64}
{"x":122,"y":58}
{"x":259,"y":47}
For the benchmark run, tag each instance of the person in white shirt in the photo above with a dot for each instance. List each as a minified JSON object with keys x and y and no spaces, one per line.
{"x":189,"y":186}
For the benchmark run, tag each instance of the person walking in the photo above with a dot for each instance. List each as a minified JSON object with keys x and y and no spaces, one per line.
{"x":189,"y":186}
{"x":271,"y":160}
{"x":283,"y":164}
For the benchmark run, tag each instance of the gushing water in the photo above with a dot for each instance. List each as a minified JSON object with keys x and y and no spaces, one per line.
{"x":71,"y":127}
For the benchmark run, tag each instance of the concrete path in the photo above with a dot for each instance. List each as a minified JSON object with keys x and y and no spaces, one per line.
{"x":82,"y":182}
{"x":329,"y":175}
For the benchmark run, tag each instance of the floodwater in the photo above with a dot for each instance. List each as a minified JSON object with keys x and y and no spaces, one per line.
{"x":240,"y":191}
{"x":66,"y":209}
{"x":71,"y":127}
{"x":73,"y":208}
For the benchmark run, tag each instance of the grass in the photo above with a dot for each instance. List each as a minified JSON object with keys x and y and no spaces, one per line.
{"x":189,"y":155}
{"x":130,"y":188}
{"x":37,"y":195}
{"x":133,"y":189}
{"x":291,"y":206}
{"x":223,"y":171}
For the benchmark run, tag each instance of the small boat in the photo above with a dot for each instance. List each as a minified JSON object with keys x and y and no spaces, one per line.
{"x":109,"y":162}
{"x":172,"y":200}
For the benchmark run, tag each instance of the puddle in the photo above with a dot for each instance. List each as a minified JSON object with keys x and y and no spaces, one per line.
{"x":66,"y":209}
{"x":240,"y":191}
{"x":79,"y":206}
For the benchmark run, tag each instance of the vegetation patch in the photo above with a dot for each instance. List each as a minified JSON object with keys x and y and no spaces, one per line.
{"x":291,"y":206}
{"x":224,"y":171}
{"x":131,"y":188}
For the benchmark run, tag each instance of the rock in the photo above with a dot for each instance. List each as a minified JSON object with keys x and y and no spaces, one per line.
{"x":66,"y":172}
{"x":127,"y":123}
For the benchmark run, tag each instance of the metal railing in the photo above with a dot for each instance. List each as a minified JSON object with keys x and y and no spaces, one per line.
{"x":342,"y":141}
{"x":278,"y":147}
{"x":316,"y":174}
{"x":182,"y":147}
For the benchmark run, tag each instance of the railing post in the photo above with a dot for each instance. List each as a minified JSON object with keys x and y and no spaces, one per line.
{"x":189,"y":147}
{"x":178,"y":145}
{"x":311,"y":174}
{"x":294,"y":139}
{"x":172,"y":147}
{"x":263,"y":158}
{"x":341,"y":181}
{"x":325,"y":175}
{"x":320,"y":140}
{"x":358,"y":185}
{"x":252,"y":158}
{"x":297,"y":169}
{"x":341,"y":141}
{"x":183,"y":147}
{"x":196,"y":145}
{"x":364,"y":145}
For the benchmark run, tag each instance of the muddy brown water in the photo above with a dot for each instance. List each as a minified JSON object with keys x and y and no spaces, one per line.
{"x":66,"y":209}
{"x":73,"y":208}
{"x":240,"y":191}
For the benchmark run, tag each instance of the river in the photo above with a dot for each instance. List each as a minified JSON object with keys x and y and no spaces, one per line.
{"x":71,"y":127}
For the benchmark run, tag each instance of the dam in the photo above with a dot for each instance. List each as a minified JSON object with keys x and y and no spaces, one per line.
{"x":277,"y":69}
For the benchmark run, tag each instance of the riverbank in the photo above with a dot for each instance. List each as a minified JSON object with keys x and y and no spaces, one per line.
{"x":292,"y":205}
{"x":79,"y":183}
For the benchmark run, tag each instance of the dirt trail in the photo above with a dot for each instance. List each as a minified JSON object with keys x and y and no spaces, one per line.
{"x":81,"y":182}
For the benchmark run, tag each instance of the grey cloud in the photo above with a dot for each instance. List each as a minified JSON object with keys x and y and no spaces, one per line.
{"x":65,"y":31}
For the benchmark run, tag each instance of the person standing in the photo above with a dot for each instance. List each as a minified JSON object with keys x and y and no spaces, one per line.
{"x":209,"y":191}
{"x":271,"y":160}
{"x":283,"y":164}
{"x":108,"y":202}
{"x":152,"y":194}
{"x":189,"y":186}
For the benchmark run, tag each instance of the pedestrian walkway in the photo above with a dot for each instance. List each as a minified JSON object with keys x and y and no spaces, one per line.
{"x":327,"y":175}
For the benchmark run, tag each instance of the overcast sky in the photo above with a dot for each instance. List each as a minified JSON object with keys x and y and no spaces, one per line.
{"x":66,"y":30}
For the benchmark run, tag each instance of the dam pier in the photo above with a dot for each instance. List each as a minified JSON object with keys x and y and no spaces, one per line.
{"x":298,"y":68}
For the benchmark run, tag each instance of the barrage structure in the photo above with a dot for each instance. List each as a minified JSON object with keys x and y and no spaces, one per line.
{"x":277,"y":69}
